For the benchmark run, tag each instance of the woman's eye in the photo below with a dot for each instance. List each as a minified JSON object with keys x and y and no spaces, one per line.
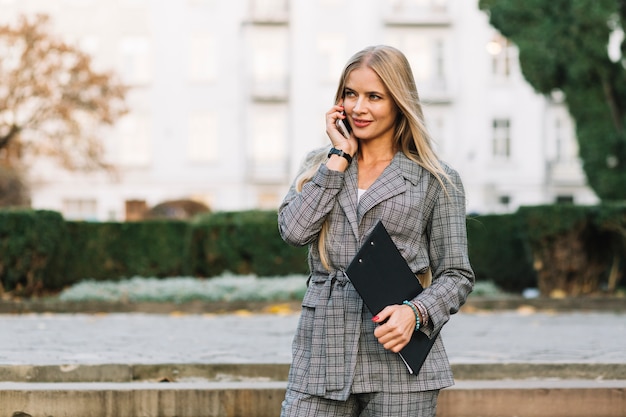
{"x":374,"y":97}
{"x":349,"y":93}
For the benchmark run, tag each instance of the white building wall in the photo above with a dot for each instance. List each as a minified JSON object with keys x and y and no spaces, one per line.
{"x":228,"y":97}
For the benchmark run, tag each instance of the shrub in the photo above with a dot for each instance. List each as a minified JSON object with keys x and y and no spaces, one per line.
{"x":110,"y":250}
{"x":498,"y":252}
{"x":29,"y":242}
{"x":243,"y":243}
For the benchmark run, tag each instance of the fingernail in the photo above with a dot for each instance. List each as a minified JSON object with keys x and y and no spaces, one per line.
{"x":375,"y":318}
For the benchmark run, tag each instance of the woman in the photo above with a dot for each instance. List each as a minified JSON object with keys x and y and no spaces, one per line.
{"x":344,"y":360}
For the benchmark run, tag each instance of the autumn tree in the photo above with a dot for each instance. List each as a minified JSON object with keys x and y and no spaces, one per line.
{"x":563,"y":47}
{"x":52,"y":100}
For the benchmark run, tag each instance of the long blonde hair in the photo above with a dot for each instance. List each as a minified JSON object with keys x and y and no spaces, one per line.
{"x":411,"y":135}
{"x":394,"y":71}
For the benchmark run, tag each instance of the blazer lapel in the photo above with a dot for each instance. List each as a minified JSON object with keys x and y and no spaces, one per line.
{"x":348,"y":198}
{"x":391,"y":182}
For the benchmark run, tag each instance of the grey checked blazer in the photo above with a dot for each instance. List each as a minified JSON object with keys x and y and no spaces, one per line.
{"x":335,"y":352}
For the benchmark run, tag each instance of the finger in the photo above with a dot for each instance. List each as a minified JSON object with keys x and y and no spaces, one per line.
{"x":383,"y":315}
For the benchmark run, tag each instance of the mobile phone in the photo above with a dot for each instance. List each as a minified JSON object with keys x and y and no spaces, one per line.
{"x":344,"y":127}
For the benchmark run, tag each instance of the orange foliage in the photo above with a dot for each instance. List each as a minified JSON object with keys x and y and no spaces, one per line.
{"x":52,"y":101}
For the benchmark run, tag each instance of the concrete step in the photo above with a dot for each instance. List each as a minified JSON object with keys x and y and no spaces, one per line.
{"x":278,"y":372}
{"x":504,"y":398}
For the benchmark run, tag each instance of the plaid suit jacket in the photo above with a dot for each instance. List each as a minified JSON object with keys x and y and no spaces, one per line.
{"x":334,"y":351}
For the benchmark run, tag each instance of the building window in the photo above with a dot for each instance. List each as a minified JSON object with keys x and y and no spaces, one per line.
{"x":426,"y":53}
{"x":501,"y":51}
{"x":134,"y":136}
{"x":136,"y":56}
{"x":419,"y":5}
{"x":269,"y":133}
{"x":203,"y":137}
{"x":269,"y":55}
{"x":268,"y":150}
{"x":501,"y":139}
{"x":269,"y":10}
{"x":566,"y":148}
{"x":80,"y":209}
{"x":202,"y":58}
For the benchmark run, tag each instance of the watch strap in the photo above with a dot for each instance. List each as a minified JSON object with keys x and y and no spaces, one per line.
{"x":335,"y":151}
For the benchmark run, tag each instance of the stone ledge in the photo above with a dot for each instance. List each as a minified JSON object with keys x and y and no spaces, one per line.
{"x":278,"y":372}
{"x":522,"y":398}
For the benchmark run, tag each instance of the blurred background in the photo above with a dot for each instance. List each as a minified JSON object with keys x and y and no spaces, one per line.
{"x":145,"y":102}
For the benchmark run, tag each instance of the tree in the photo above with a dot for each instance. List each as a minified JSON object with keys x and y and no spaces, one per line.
{"x":563,"y":47}
{"x":13,"y":191}
{"x":52,"y":101}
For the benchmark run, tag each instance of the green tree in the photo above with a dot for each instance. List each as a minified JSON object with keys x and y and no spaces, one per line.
{"x":52,"y":101}
{"x":563,"y":47}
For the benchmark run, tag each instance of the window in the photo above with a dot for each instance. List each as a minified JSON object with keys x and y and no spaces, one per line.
{"x":80,"y":209}
{"x":501,"y":139}
{"x":272,"y":10}
{"x":501,"y":51}
{"x":269,"y":55}
{"x":416,"y":6}
{"x":269,"y":133}
{"x":566,"y":148}
{"x":134,"y":147}
{"x":426,"y":53}
{"x":268,"y":62}
{"x":136,"y":59}
{"x":202,"y":58}
{"x":202,"y":145}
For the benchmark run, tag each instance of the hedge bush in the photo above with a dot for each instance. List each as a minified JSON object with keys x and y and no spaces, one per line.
{"x":110,"y":250}
{"x":243,"y":243}
{"x":29,"y":243}
{"x":573,"y":246}
{"x":571,"y":249}
{"x":498,"y":252}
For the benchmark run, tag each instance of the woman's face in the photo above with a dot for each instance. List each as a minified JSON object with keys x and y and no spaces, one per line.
{"x":369,"y":106}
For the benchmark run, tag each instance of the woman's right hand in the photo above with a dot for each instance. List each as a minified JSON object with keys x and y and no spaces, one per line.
{"x":338,"y":140}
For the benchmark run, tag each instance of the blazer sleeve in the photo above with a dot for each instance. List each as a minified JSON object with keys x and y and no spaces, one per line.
{"x":302,"y":214}
{"x":453,"y":277}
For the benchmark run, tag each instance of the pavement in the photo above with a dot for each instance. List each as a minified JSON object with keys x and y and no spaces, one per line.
{"x":476,"y":337}
{"x":530,"y":360}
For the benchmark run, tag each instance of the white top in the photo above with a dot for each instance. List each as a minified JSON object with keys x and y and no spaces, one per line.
{"x":361,"y":191}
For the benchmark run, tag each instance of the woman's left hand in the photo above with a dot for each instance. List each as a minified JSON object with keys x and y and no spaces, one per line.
{"x":398,"y":328}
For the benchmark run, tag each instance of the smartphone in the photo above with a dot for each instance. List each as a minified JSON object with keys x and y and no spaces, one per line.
{"x":344,"y":127}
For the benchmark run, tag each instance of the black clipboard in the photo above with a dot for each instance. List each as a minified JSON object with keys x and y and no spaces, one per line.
{"x":382,"y":277}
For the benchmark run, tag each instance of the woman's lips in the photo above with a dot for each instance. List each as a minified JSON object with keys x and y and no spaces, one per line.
{"x":361,"y":123}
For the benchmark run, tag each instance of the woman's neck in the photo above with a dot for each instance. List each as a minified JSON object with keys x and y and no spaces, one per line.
{"x":374,"y":152}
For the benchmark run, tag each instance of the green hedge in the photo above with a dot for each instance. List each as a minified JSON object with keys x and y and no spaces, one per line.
{"x":29,"y":243}
{"x":498,"y":252}
{"x":573,"y":249}
{"x":110,"y":250}
{"x":243,"y":243}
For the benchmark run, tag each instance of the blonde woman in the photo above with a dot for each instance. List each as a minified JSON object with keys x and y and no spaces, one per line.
{"x":344,"y":360}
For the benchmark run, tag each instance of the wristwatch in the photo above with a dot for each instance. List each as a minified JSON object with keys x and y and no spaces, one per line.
{"x":335,"y":151}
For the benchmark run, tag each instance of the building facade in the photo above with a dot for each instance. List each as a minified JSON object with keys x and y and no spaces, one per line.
{"x":227,"y":97}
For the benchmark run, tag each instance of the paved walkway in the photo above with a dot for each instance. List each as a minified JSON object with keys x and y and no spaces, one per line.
{"x":481,"y":337}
